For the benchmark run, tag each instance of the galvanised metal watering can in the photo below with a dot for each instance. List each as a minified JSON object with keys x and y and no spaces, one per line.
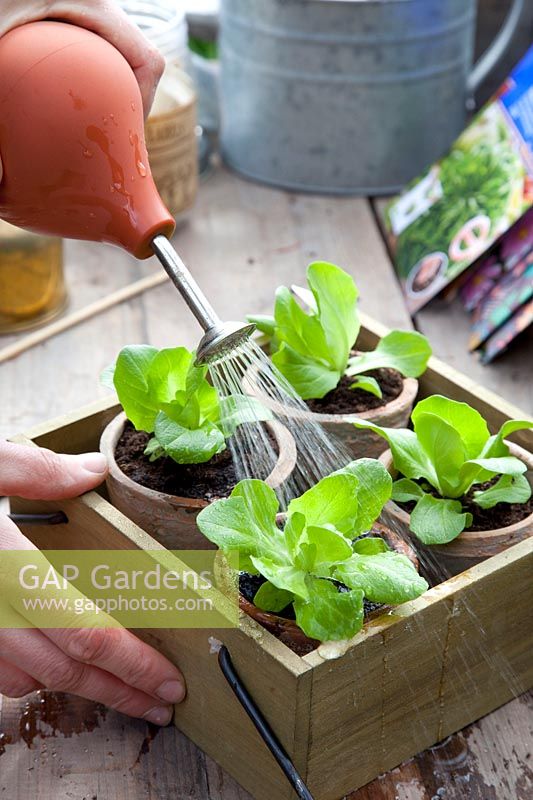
{"x":347,"y":96}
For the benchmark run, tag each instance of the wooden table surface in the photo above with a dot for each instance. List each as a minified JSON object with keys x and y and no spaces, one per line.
{"x":241,"y":241}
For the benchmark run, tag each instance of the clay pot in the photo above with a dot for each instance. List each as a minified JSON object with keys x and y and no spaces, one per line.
{"x":470,"y":547}
{"x":288,"y":631}
{"x":168,"y":518}
{"x":360,"y":443}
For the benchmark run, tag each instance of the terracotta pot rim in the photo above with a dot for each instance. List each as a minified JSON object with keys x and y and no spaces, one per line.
{"x":113,"y":430}
{"x":405,"y":398}
{"x":466,"y":537}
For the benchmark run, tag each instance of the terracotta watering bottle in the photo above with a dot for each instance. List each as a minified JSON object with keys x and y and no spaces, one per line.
{"x":72,"y":140}
{"x":75,"y":161}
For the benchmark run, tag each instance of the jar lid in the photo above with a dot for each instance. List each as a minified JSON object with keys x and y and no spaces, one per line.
{"x":163,"y":23}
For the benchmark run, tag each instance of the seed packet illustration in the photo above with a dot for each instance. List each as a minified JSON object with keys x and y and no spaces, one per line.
{"x":513,"y":290}
{"x":481,"y":279}
{"x":518,"y":241}
{"x":460,"y":207}
{"x":500,"y":340}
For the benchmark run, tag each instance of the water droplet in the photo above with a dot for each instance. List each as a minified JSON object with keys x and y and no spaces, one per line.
{"x":104,"y":120}
{"x":214,"y":645}
{"x":132,"y":139}
{"x":331,"y":650}
{"x":133,"y":106}
{"x":117,"y":186}
{"x":141,"y":169}
{"x":87,"y":153}
{"x":92,"y":215}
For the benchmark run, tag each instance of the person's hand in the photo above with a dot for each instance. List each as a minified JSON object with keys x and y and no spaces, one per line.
{"x":108,"y":665}
{"x":105,"y":18}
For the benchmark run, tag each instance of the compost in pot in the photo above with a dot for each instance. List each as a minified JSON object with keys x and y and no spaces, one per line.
{"x":346,"y":400}
{"x":206,"y":481}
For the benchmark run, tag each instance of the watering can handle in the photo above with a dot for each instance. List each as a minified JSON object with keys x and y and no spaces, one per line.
{"x":492,"y":56}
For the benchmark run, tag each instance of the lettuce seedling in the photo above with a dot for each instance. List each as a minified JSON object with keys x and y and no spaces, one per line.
{"x":164,"y":393}
{"x":311,"y":346}
{"x":316,"y":549}
{"x":450,"y":451}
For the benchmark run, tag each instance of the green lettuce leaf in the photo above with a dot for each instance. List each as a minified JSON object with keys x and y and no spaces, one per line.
{"x":246,"y":522}
{"x":384,"y":577}
{"x":332,"y":501}
{"x":496,"y":447}
{"x":131,"y":384}
{"x":444,"y":448}
{"x":367,"y":384}
{"x":508,"y":489}
{"x":308,"y":376}
{"x":320,"y":549}
{"x":466,"y":421}
{"x":186,"y":446}
{"x":374,"y":490}
{"x":336,"y":296}
{"x":404,"y":490}
{"x":438,"y":521}
{"x":289,"y":578}
{"x":269,"y":598}
{"x":452,"y":450}
{"x":330,"y":615}
{"x":264,"y":323}
{"x":407,"y":352}
{"x":370,"y":546}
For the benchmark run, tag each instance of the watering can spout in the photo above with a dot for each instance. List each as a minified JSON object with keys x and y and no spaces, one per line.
{"x":220,"y":338}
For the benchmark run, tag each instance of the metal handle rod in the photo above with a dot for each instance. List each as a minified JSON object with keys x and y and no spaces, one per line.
{"x":185,"y":283}
{"x":492,"y":56}
{"x":54,"y":518}
{"x":267,"y":734}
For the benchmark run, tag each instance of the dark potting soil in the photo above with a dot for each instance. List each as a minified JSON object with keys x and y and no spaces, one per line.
{"x":485,"y":519}
{"x":215,"y":478}
{"x":343,"y":400}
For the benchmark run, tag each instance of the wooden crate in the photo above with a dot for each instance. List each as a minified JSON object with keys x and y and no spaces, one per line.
{"x":408,"y":680}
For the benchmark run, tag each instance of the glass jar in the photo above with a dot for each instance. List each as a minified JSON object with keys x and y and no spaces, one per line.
{"x":32,"y":287}
{"x":170,"y":130}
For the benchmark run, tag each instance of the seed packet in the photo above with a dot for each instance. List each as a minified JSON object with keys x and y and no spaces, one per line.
{"x":517,"y":242}
{"x":453,"y":214}
{"x":476,"y":282}
{"x":499,"y":341}
{"x":481,"y":280}
{"x":509,"y":293}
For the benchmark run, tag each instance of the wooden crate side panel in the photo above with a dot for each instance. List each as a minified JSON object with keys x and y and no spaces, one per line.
{"x":77,"y":432}
{"x":386,"y":700}
{"x":473,"y":655}
{"x":211,"y":716}
{"x":488,"y":658}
